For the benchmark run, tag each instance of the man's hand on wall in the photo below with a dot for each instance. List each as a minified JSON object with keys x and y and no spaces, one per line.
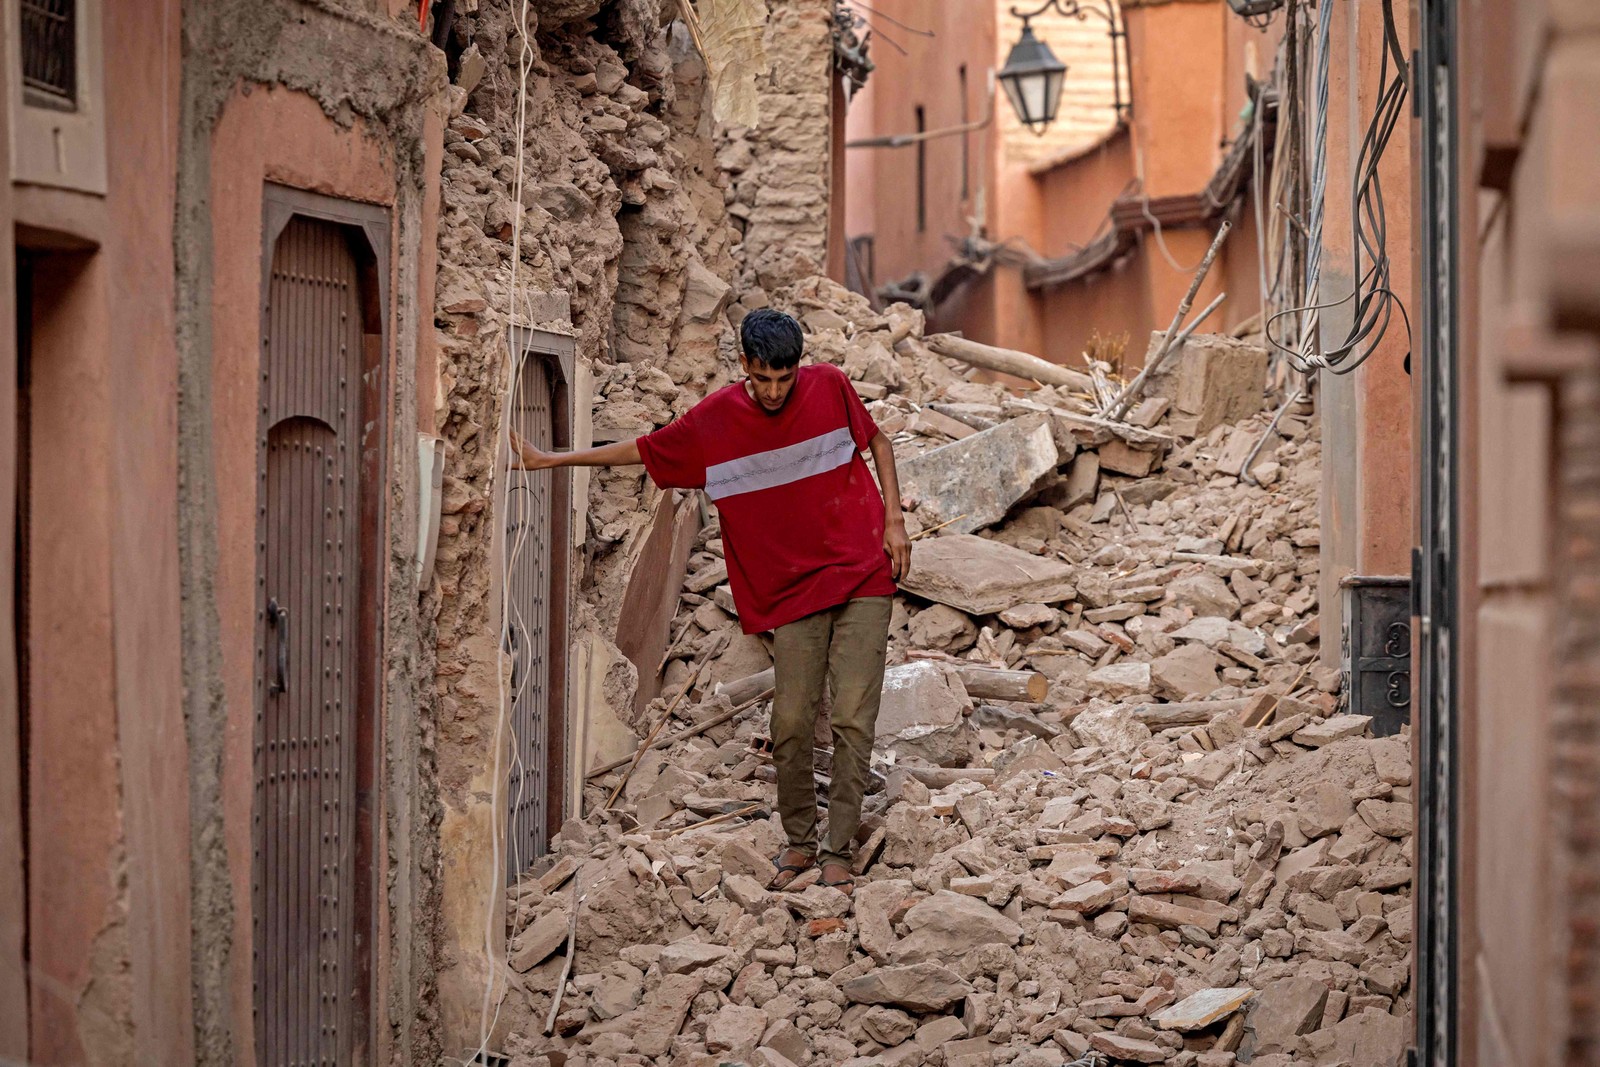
{"x":524,"y":457}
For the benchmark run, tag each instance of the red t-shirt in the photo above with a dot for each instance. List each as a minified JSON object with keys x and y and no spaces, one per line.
{"x":802,"y":519}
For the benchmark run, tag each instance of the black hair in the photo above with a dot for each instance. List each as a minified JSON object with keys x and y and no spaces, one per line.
{"x":771,"y":338}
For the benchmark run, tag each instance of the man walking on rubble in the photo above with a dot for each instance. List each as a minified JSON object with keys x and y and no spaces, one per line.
{"x":813,"y":554}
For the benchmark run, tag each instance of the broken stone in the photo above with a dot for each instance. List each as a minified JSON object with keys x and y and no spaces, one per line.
{"x":654,"y":1023}
{"x":1323,"y":809}
{"x":888,"y":1026}
{"x":920,"y":693}
{"x":1202,"y":1009}
{"x":942,"y":627}
{"x":1170,"y":916}
{"x":1120,"y":679}
{"x":947,"y":925}
{"x":686,"y":956}
{"x":1025,"y":616}
{"x":1204,"y":594}
{"x":1188,"y":672}
{"x":972,"y":483}
{"x":539,"y":942}
{"x":1328,"y":731}
{"x":1119,"y":457}
{"x":1385,"y":818}
{"x":1113,"y":729}
{"x":736,"y":1029}
{"x":875,"y":903}
{"x":1219,"y":379}
{"x":983,"y":577}
{"x":919,"y":987}
{"x":1282,"y":1012}
{"x":1131,"y":1049}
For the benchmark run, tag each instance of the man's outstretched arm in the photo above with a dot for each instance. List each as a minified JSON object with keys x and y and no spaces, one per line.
{"x":525,"y":457}
{"x":895,"y":541}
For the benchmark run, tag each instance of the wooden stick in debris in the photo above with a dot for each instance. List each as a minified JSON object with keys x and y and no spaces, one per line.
{"x":1175,"y":344}
{"x":683,"y":735}
{"x":1008,"y":361}
{"x":726,"y":816}
{"x":1123,"y":504}
{"x":649,"y":742}
{"x":1266,"y":711}
{"x":1120,"y":406}
{"x":934,"y":529}
{"x":566,"y":967}
{"x":1186,"y":712}
{"x":683,"y":631}
{"x":742,"y":689}
{"x":992,"y":683}
{"x":691,"y":19}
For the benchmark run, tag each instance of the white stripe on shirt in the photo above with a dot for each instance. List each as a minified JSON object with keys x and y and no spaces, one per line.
{"x":780,"y":466}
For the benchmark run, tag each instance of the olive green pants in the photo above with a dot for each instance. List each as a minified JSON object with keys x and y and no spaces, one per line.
{"x":844,"y":648}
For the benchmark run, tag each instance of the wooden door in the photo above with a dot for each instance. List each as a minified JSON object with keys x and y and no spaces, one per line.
{"x":308,"y":602}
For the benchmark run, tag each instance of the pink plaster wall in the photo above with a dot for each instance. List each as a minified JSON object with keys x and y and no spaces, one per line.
{"x":280,"y":136}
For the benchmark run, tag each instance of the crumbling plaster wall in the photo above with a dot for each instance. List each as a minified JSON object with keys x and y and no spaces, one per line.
{"x":379,"y":87}
{"x":624,"y":242}
{"x":779,"y":172}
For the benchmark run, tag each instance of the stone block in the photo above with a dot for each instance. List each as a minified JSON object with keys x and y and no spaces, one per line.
{"x":973,"y":482}
{"x":984,"y":577}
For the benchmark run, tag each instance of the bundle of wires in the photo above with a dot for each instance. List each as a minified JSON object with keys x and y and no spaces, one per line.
{"x":1375,"y":302}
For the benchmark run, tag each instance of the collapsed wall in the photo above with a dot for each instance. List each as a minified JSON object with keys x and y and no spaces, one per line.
{"x":627,"y":246}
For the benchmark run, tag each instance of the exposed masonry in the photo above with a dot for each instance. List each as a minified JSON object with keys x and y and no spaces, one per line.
{"x":626,"y":243}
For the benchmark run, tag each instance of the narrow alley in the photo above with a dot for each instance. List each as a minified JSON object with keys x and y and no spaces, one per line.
{"x":460,"y":456}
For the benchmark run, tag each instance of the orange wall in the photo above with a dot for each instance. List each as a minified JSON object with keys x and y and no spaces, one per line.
{"x":1187,"y":83}
{"x":108,"y":906}
{"x":881,"y":182}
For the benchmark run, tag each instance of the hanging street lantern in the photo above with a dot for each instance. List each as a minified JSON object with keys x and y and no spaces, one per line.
{"x":1249,"y":9}
{"x":1033,"y":77}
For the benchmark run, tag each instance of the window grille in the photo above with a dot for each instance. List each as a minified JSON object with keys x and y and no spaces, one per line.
{"x":50,"y":52}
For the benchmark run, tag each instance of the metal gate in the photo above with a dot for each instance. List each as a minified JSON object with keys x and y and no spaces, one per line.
{"x":308,"y":601}
{"x":530,"y":514}
{"x":1434,"y":581}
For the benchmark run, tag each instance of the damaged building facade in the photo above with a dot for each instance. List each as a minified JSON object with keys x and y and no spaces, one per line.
{"x":215,"y":833}
{"x":260,"y":548}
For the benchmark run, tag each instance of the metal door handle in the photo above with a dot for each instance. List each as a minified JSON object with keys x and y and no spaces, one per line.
{"x":278,"y":619}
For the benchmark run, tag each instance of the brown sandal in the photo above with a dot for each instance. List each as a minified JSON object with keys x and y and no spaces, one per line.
{"x":845,"y":885}
{"x":794,"y":869}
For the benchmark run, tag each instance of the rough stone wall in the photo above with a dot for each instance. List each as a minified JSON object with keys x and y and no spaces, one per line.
{"x":778,"y":172}
{"x":356,"y":67}
{"x":623,"y":229}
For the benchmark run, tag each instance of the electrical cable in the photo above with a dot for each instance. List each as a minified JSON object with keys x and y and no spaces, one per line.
{"x":1374,"y":300}
{"x":487,"y":1018}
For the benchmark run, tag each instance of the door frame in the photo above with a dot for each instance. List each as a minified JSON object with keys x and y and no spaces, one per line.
{"x":1435,"y":580}
{"x":558,"y":352}
{"x":366,"y":225}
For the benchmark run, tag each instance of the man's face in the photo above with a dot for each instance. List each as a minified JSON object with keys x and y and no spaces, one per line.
{"x":769,"y":386}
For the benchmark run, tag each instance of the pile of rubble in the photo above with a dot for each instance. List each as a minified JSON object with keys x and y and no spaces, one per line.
{"x":1118,"y":815}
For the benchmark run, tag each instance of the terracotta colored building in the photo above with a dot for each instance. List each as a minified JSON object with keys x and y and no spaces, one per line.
{"x":211,"y":355}
{"x":1508,"y":424}
{"x":1104,"y":217}
{"x":1069,"y":204}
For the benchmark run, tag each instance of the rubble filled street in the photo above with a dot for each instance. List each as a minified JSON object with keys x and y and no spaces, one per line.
{"x":1119,"y":815}
{"x":800,"y":533}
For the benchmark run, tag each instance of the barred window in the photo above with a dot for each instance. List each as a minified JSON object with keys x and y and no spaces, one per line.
{"x":50,"y":53}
